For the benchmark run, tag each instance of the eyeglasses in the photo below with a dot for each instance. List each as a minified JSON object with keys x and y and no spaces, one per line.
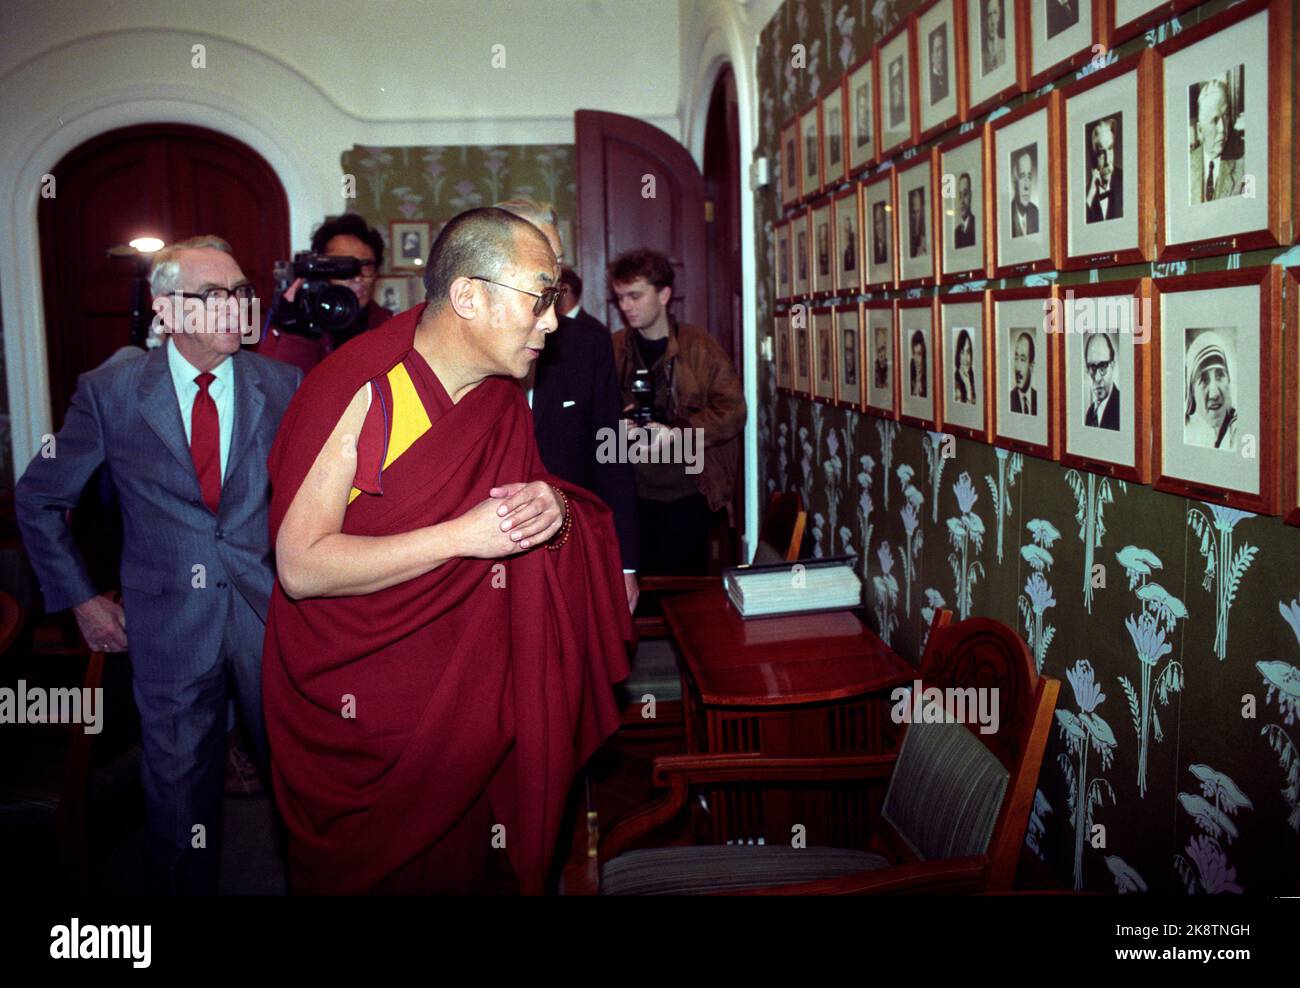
{"x":545,"y":299}
{"x":1098,"y":368}
{"x":243,"y":293}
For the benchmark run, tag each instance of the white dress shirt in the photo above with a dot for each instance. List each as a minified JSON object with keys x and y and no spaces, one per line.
{"x":222,"y":391}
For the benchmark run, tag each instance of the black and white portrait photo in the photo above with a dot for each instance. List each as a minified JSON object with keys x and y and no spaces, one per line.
{"x":834,"y":116}
{"x":1100,"y":386}
{"x":1104,"y":197}
{"x":391,"y":293}
{"x":1210,"y":359}
{"x":823,"y":357}
{"x":823,"y":252}
{"x":783,"y":260}
{"x":881,"y":361}
{"x":1216,"y":167}
{"x":862,"y":115}
{"x":1061,"y":16}
{"x":963,"y":370}
{"x":879,"y":234}
{"x":1024,"y":359}
{"x":411,"y":240}
{"x":963,"y":230}
{"x":897,"y":106}
{"x":849,"y":238}
{"x":918,"y":364}
{"x":993,"y":45}
{"x":801,"y":338}
{"x":1024,"y":191}
{"x":791,"y":166}
{"x":938,"y":59}
{"x":917,"y":235}
{"x":849,"y":355}
{"x":811,"y":170}
{"x":801,"y":257}
{"x":411,"y":245}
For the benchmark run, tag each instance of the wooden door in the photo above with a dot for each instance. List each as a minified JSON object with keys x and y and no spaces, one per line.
{"x":164,"y":180}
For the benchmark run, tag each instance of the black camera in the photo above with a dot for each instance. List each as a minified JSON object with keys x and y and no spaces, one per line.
{"x":318,"y":307}
{"x":643,"y":396}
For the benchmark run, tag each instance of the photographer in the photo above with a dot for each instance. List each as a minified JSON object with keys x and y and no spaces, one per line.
{"x":292,"y":337}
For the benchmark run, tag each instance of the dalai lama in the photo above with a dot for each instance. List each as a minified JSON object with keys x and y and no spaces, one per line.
{"x":448,"y":619}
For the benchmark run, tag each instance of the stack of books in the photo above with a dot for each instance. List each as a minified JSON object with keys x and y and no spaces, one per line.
{"x":800,"y":587}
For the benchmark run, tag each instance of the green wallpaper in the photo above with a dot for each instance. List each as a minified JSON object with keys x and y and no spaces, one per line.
{"x":1150,"y":741}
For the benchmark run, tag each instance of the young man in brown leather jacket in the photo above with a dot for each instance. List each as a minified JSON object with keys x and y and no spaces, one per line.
{"x":695,"y":399}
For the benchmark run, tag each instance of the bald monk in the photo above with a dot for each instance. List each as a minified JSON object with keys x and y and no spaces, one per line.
{"x":448,"y":619}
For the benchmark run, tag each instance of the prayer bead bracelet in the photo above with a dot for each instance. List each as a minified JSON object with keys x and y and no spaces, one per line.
{"x":562,"y":536}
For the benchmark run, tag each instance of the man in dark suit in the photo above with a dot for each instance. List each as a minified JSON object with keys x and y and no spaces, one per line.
{"x":963,"y":231}
{"x":1099,"y":362}
{"x":1024,"y":214}
{"x":1105,"y":198}
{"x":1024,"y":396}
{"x":1061,"y":15}
{"x":574,"y":394}
{"x":185,"y":431}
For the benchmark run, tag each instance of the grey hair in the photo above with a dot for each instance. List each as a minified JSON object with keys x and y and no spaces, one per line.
{"x":165,"y":272}
{"x":532,"y":210}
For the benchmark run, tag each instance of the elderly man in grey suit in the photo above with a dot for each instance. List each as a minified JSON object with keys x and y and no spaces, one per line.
{"x":1215,"y":168}
{"x":184,"y":431}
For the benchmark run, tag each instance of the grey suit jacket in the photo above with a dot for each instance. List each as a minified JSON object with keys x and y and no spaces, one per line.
{"x":179,"y":560}
{"x":1228,"y":177}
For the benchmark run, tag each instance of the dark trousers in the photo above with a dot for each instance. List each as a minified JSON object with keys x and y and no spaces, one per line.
{"x":183,"y":740}
{"x":675,"y":536}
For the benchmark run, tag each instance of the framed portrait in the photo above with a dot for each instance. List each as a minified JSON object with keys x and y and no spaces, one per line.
{"x":848,"y":358}
{"x":896,"y":55}
{"x":790,"y":162}
{"x":1120,"y":20}
{"x":396,"y":293}
{"x":810,"y":151}
{"x":823,"y":248}
{"x":997,"y":68}
{"x":918,"y":403}
{"x":409,"y":242}
{"x":835,"y":162}
{"x":1060,"y":36}
{"x":964,"y":189}
{"x":801,"y":349}
{"x":1025,"y":227}
{"x":1291,"y":418}
{"x":801,"y":260}
{"x":881,"y":396}
{"x":1225,"y":161}
{"x":824,"y":370}
{"x":1025,"y":369}
{"x":847,"y":219}
{"x":864,"y":140}
{"x":1109,"y":136}
{"x":784,"y":284}
{"x":784,"y":371}
{"x":1105,"y":403}
{"x":941,"y":55}
{"x":1217,"y":353}
{"x":878,"y":223}
{"x":965,"y":365}
{"x":916,"y":222}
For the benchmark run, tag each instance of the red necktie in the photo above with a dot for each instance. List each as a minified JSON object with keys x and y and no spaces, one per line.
{"x":205,"y":443}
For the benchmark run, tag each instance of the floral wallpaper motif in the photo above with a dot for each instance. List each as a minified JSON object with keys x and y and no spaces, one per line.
{"x":1188,"y":778}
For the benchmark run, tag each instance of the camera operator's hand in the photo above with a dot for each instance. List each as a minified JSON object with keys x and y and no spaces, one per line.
{"x":292,"y":291}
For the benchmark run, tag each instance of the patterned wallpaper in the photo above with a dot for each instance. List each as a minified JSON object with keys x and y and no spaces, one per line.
{"x":1176,"y":729}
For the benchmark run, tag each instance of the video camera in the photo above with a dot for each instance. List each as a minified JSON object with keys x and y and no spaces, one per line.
{"x":318,"y":307}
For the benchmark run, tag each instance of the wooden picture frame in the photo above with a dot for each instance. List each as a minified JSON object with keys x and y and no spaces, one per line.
{"x":1291,"y":418}
{"x":880,"y":325}
{"x":783,"y":258}
{"x":862,"y":75}
{"x":781,"y":365}
{"x":914,"y":200}
{"x":940,"y":31}
{"x":835,"y":166}
{"x":811,"y":177}
{"x":915,"y":407}
{"x":821,"y":238}
{"x":1178,"y":344}
{"x":1191,"y":225}
{"x":1134,"y":144}
{"x":959,"y":404}
{"x":846,"y":218}
{"x":400,"y":286}
{"x":1068,"y":47}
{"x":1092,"y":436}
{"x":791,"y":165}
{"x":824,"y":369}
{"x":800,"y":315}
{"x":997,"y":68}
{"x":1012,"y":313}
{"x":956,"y":159}
{"x":401,"y":256}
{"x":800,"y":254}
{"x":878,"y":205}
{"x":1112,"y":34}
{"x":896,"y":57}
{"x":1016,"y":136}
{"x":846,"y":321}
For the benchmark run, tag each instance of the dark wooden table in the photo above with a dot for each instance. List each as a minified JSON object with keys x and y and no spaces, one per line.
{"x":805,"y":684}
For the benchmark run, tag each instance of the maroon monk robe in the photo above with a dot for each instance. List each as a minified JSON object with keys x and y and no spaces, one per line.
{"x":460,"y":689}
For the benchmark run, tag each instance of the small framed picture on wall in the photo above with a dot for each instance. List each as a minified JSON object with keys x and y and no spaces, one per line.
{"x":898,"y":121}
{"x":941,"y":51}
{"x":1025,"y":370}
{"x":919,"y":404}
{"x":1291,"y":418}
{"x":784,"y":372}
{"x":1025,"y":226}
{"x":1226,"y":167}
{"x":997,"y":67}
{"x":823,"y":248}
{"x":1060,"y":37}
{"x":801,"y":352}
{"x":916,"y":222}
{"x":824,"y":349}
{"x":878,"y":218}
{"x":395,"y":293}
{"x":882,"y":375}
{"x":966,"y":365}
{"x":863,"y":137}
{"x":409,"y":244}
{"x":848,"y":336}
{"x":784,"y":284}
{"x":1218,"y":352}
{"x":1109,"y":124}
{"x":847,"y":218}
{"x":790,"y":164}
{"x":965,"y":190}
{"x":800,"y":270}
{"x":834,"y":161}
{"x":810,"y":149}
{"x":1105,"y":396}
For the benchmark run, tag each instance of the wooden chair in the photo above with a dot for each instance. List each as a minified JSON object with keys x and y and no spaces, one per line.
{"x":954,"y":812}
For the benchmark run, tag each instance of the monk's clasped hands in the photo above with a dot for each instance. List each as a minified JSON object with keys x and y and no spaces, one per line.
{"x":530,"y":513}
